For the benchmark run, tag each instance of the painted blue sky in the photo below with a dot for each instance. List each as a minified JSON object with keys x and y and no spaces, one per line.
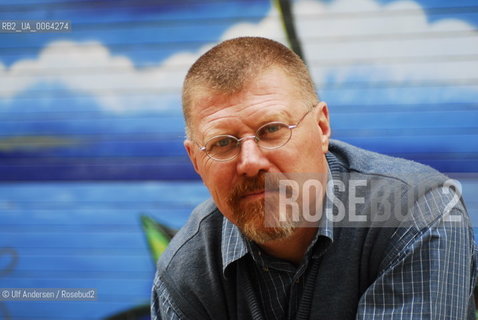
{"x":102,"y":103}
{"x":120,"y":25}
{"x":111,"y":87}
{"x":92,"y":21}
{"x":438,"y":10}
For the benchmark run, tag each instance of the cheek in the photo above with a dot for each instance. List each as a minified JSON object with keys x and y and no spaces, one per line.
{"x":299,"y":156}
{"x":219,"y":181}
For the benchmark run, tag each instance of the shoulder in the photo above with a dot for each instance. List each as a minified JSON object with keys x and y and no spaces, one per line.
{"x":364,"y":162}
{"x":190,"y":268}
{"x":409,"y":204}
{"x":201,"y":232}
{"x":395,"y":191}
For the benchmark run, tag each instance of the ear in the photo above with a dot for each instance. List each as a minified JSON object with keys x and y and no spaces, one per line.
{"x":191,"y":148}
{"x":324,"y":125}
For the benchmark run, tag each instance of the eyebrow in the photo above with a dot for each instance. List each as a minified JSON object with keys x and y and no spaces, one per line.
{"x":281,"y":116}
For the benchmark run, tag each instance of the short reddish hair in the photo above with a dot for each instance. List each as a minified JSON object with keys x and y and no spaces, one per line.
{"x":229,"y":66}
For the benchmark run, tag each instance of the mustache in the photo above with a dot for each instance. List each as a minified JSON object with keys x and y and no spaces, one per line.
{"x":253,"y":184}
{"x":248,"y":185}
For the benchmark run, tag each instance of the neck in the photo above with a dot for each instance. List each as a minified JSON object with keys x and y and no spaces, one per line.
{"x":292,"y":248}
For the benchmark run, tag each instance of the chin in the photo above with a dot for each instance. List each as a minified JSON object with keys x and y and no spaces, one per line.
{"x":251,"y":220}
{"x":261,"y":234}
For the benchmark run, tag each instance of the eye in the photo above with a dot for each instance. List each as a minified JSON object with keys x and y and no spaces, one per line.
{"x":219,"y":143}
{"x":224,"y":142}
{"x":271,"y":130}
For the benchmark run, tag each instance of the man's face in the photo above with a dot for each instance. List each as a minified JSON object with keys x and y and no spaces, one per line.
{"x":237,"y":185}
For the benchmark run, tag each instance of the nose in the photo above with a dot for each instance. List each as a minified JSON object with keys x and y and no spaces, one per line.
{"x":251,"y":159}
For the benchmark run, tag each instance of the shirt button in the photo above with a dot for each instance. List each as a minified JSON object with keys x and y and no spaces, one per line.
{"x":297,"y":281}
{"x":265,"y":269}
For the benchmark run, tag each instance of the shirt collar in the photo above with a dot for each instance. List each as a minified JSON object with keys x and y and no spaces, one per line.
{"x":326,"y":227}
{"x":233,"y":246}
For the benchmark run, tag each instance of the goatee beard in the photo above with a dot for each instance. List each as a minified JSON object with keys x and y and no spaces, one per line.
{"x":250,"y":216}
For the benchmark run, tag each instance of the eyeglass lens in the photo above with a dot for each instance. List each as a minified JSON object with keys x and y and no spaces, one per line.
{"x":270,"y":136}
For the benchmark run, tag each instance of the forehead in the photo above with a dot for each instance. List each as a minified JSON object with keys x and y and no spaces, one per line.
{"x":271,"y":96}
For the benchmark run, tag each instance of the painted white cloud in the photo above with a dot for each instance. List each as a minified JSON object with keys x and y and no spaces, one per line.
{"x":91,"y":68}
{"x":392,"y":42}
{"x":336,"y":42}
{"x":114,"y":81}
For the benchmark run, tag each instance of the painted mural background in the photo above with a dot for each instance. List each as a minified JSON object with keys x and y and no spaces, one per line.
{"x":91,"y":126}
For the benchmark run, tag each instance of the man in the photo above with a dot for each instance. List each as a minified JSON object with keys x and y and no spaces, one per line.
{"x":257,"y":134}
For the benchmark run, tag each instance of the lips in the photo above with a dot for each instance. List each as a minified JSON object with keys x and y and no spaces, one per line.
{"x":253,"y":194}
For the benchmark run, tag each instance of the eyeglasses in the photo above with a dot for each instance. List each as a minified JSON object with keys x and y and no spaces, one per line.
{"x":272,"y":135}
